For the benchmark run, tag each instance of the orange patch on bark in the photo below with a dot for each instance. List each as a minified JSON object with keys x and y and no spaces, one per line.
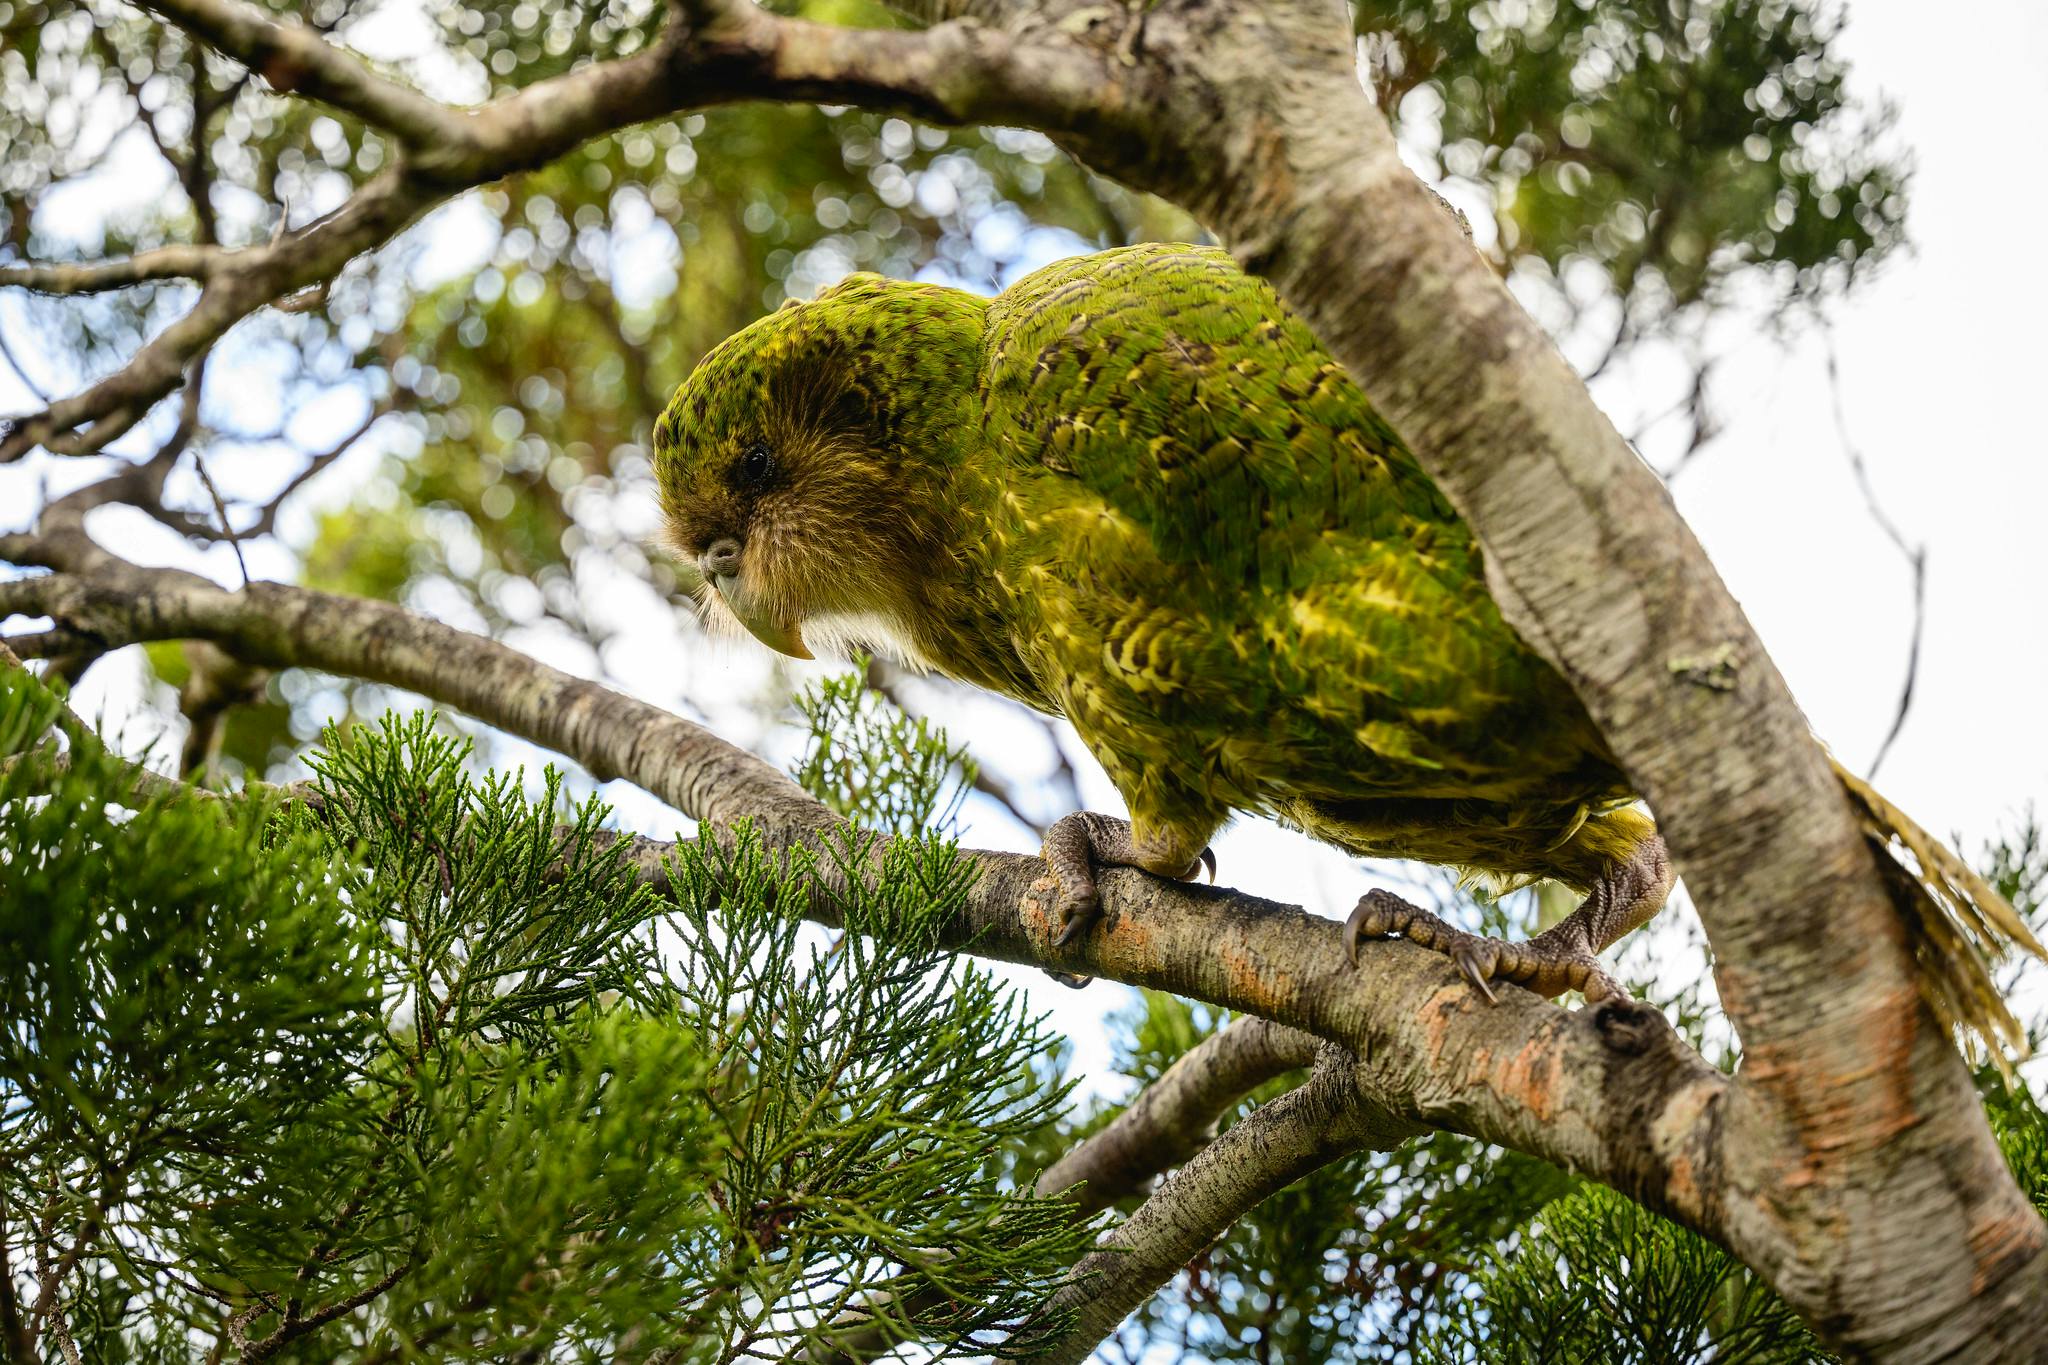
{"x":1528,"y":1075}
{"x":1840,"y":1114}
{"x":1262,"y":991}
{"x":1862,"y":1105}
{"x":1997,"y":1242}
{"x":1134,"y":944}
{"x":1438,"y":1012}
{"x":1669,"y":1134}
{"x":1035,"y":910}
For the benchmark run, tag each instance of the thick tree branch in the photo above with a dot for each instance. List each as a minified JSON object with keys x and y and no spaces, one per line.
{"x":1175,"y":1116}
{"x":92,"y":277}
{"x":294,"y":59}
{"x":1609,"y":1091}
{"x":1328,"y":1117}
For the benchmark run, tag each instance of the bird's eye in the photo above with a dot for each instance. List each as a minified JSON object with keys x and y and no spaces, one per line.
{"x":756,"y":466}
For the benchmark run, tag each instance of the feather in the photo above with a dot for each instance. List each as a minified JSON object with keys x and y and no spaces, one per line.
{"x":1958,"y":925}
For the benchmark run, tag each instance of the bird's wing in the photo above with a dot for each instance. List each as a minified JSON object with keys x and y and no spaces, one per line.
{"x":1233,"y":547}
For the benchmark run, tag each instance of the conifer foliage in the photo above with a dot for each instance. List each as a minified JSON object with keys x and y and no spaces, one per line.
{"x":409,"y":1064}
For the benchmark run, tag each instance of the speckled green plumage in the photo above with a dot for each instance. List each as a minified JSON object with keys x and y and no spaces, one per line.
{"x":1134,"y":490}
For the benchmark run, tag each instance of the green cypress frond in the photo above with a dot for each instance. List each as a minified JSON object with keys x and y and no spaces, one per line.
{"x":400,"y":1067}
{"x":877,"y":767}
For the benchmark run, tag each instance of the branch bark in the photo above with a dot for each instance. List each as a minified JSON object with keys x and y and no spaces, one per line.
{"x":1328,"y":1117}
{"x":294,"y":59}
{"x":1609,"y":1091}
{"x":92,"y":277}
{"x":1174,"y":1117}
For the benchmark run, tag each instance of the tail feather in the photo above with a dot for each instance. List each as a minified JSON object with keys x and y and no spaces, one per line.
{"x":1960,"y":926}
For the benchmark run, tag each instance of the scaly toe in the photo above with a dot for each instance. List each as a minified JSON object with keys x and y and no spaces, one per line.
{"x":1377,"y":914}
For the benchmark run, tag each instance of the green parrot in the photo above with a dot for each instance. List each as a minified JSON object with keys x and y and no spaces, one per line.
{"x":1135,"y":491}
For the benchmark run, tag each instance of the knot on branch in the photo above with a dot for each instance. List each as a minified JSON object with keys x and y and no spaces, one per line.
{"x":1631,"y":1028}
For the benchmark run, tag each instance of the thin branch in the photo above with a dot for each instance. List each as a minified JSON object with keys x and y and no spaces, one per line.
{"x":295,"y":59}
{"x":266,"y":522}
{"x":220,"y":508}
{"x":197,"y":527}
{"x":176,"y":262}
{"x":36,"y":391}
{"x":49,"y":644}
{"x":1915,"y":557}
{"x":1697,"y":406}
{"x":293,"y":1328}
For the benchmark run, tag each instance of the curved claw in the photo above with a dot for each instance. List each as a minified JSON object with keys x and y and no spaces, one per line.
{"x":1362,"y":923}
{"x":1209,"y":861}
{"x":1077,"y":915}
{"x":1370,"y":918}
{"x":1469,"y":964}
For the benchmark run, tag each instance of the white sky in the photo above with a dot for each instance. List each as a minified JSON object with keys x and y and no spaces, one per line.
{"x":1942,"y":368}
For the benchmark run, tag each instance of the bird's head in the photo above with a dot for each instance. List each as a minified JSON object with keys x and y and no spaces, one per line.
{"x":802,"y":465}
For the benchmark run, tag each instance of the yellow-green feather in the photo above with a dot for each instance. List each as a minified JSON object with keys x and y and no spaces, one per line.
{"x":1246,"y":594}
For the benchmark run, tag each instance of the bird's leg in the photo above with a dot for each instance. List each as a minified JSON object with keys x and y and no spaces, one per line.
{"x":1079,"y":843}
{"x":1564,"y":957}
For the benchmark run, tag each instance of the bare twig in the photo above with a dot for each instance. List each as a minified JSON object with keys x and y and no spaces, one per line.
{"x":93,"y":277}
{"x":294,"y":59}
{"x":1915,"y":556}
{"x":220,"y":508}
{"x":36,"y":391}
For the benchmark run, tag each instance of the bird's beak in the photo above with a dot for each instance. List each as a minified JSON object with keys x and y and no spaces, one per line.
{"x":784,"y":637}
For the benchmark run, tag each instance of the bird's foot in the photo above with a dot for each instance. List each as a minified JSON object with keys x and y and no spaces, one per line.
{"x":1078,"y":844}
{"x":1559,"y":959}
